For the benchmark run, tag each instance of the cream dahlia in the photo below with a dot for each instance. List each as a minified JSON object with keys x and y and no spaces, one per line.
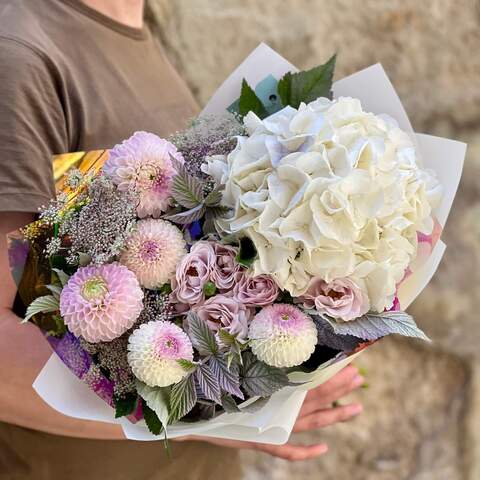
{"x":100,"y":303}
{"x":143,"y":164}
{"x":153,"y":351}
{"x":153,"y":251}
{"x":282,"y":335}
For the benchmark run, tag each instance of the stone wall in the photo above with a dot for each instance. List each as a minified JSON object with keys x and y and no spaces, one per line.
{"x":423,"y":405}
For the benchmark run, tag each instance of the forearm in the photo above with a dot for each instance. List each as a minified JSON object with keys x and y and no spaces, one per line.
{"x":23,"y":352}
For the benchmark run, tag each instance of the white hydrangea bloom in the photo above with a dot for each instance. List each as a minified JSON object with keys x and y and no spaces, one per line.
{"x":328,"y":191}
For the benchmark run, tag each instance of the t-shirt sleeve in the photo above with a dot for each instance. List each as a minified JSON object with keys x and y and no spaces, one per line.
{"x":32,"y":127}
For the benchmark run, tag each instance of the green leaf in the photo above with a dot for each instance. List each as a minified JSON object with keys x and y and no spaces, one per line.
{"x":307,"y":86}
{"x":151,"y":419}
{"x":260,"y":379}
{"x":213,"y":198}
{"x":56,"y":290}
{"x":182,"y":398}
{"x":187,"y":190}
{"x":229,"y":404}
{"x":62,"y":276}
{"x":188,"y":216}
{"x":59,"y":327}
{"x":200,"y":335}
{"x":376,"y":325}
{"x":209,"y":289}
{"x":249,"y":102}
{"x":156,"y":398}
{"x":246,"y":253}
{"x":125,"y":405}
{"x":187,"y":365}
{"x":45,"y":304}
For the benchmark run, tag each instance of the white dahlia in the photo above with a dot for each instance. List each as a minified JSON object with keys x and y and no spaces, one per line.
{"x":282,"y":335}
{"x":153,"y":351}
{"x":153,"y":251}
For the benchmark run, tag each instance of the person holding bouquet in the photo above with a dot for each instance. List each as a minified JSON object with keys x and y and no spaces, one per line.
{"x":77,"y":76}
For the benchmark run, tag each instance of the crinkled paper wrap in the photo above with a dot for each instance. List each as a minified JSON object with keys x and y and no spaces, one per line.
{"x":69,"y":390}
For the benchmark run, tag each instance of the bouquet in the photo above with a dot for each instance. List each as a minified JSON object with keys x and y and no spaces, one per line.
{"x":202,"y":283}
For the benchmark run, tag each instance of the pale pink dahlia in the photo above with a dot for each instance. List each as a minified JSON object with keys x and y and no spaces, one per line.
{"x":142,"y":164}
{"x":282,"y":335}
{"x":153,"y":251}
{"x":153,"y":351}
{"x":100,"y":303}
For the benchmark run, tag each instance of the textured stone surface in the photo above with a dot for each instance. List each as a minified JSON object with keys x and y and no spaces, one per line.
{"x":423,"y":407}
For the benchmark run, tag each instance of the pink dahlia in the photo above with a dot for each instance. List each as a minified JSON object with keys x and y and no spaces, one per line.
{"x":153,"y":251}
{"x":153,"y":351}
{"x":143,"y":164}
{"x":282,"y":335}
{"x":100,"y":303}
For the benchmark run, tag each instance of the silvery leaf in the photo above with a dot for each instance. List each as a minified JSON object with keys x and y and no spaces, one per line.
{"x":208,"y":383}
{"x":260,"y":379}
{"x":188,"y":216}
{"x":227,"y":375}
{"x":200,"y":335}
{"x":372,"y":326}
{"x":45,"y":304}
{"x":156,"y":398}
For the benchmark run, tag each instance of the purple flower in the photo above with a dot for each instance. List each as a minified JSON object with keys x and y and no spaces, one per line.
{"x":258,"y":291}
{"x":193,"y":272}
{"x":341,"y":298}
{"x":225,"y":268}
{"x":143,"y":164}
{"x":222,"y":312}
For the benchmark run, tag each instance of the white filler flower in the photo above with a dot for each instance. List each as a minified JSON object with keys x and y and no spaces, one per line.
{"x":328,"y":191}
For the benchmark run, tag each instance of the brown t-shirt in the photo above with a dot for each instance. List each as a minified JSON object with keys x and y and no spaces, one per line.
{"x":72,"y":79}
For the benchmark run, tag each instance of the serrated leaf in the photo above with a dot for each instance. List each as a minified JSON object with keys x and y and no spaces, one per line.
{"x":187,"y":190}
{"x":307,"y":86}
{"x":62,"y":276}
{"x":327,"y":337}
{"x":156,"y":398}
{"x":187,"y":365}
{"x":182,"y":398}
{"x":247,"y":253}
{"x":188,"y":216}
{"x":213,"y":198}
{"x":249,"y":102}
{"x":372,"y":326}
{"x":200,"y":335}
{"x":229,"y":404}
{"x":154,"y":424}
{"x":56,"y":290}
{"x":45,"y":304}
{"x":125,"y":405}
{"x":260,"y":379}
{"x":228,"y":375}
{"x":208,"y":383}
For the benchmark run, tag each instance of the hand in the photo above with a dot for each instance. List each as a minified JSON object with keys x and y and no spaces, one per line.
{"x":317,"y":412}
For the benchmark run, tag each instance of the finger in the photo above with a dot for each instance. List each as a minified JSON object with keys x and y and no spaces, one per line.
{"x":292,"y":452}
{"x":316,"y":400}
{"x":328,"y":416}
{"x":342,"y":378}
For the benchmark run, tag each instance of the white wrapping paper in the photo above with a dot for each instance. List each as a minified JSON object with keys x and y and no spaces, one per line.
{"x":273,"y":423}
